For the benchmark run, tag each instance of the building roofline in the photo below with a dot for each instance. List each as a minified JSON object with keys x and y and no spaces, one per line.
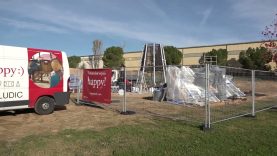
{"x":226,"y":44}
{"x":138,"y":51}
{"x":213,"y":45}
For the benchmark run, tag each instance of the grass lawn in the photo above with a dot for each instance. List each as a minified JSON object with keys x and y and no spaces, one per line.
{"x":242,"y":136}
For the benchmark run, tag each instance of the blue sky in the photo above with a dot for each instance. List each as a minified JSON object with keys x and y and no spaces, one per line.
{"x":71,"y":25}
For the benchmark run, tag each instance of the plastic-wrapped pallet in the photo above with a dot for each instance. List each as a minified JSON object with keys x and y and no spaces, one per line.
{"x":218,"y":81}
{"x":182,"y":89}
{"x":231,"y":89}
{"x":185,"y":85}
{"x":174,"y":86}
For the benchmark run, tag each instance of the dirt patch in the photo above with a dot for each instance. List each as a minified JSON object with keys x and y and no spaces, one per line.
{"x":15,"y":125}
{"x":21,"y":123}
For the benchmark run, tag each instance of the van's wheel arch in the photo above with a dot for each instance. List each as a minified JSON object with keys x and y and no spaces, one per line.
{"x":45,"y":105}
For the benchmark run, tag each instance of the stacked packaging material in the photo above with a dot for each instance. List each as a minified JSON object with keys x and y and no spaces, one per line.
{"x":187,"y":86}
{"x":231,"y":89}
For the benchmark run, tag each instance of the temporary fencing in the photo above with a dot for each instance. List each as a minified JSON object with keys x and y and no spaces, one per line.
{"x":203,"y":94}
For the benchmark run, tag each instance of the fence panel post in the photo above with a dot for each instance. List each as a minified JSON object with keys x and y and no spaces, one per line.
{"x":253,"y":92}
{"x":79,"y":87}
{"x":207,"y":104}
{"x":124,"y":100}
{"x":124,"y":107}
{"x":79,"y":91}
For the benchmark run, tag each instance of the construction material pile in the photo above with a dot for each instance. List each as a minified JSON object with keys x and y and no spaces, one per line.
{"x":187,"y":86}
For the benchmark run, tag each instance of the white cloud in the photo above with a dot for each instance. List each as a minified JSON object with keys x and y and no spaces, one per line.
{"x":153,"y":7}
{"x":30,"y":25}
{"x":206,"y":15}
{"x":259,"y":11}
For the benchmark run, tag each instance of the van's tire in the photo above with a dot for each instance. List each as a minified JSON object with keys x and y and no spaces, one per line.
{"x":45,"y":105}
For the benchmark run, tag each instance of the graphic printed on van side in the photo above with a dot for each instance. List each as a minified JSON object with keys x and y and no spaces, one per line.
{"x":13,"y":77}
{"x":33,"y":78}
{"x":45,"y":70}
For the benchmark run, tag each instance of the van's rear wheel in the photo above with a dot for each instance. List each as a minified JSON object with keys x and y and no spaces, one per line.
{"x":45,"y":105}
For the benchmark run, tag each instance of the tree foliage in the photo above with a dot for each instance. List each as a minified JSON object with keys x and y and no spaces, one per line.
{"x":255,"y":58}
{"x":74,"y":61}
{"x":173,"y":56}
{"x":113,"y":57}
{"x":221,"y":56}
{"x":233,"y":63}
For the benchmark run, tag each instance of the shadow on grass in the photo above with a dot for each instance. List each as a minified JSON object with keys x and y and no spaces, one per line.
{"x":60,"y":108}
{"x":148,"y":98}
{"x":249,"y":93}
{"x":16,"y":112}
{"x":87,"y":103}
{"x":27,"y":111}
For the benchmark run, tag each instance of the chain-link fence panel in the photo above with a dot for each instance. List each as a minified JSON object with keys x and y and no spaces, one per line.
{"x":233,"y":87}
{"x":148,"y":94}
{"x":265,"y":90}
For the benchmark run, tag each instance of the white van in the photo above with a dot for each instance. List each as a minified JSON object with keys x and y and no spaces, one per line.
{"x":33,"y":78}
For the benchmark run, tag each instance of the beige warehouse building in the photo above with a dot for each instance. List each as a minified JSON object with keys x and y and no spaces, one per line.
{"x":191,"y":55}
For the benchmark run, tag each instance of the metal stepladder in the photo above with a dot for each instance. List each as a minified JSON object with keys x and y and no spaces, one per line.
{"x":152,"y":59}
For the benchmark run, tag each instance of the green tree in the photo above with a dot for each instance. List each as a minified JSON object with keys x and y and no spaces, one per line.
{"x":234,"y":63}
{"x":221,"y":56}
{"x":173,"y":56}
{"x":255,"y":58}
{"x":113,"y":57}
{"x":73,"y":61}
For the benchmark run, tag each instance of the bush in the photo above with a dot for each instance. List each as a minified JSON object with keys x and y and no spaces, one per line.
{"x":220,"y":59}
{"x":74,"y":61}
{"x":234,"y":63}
